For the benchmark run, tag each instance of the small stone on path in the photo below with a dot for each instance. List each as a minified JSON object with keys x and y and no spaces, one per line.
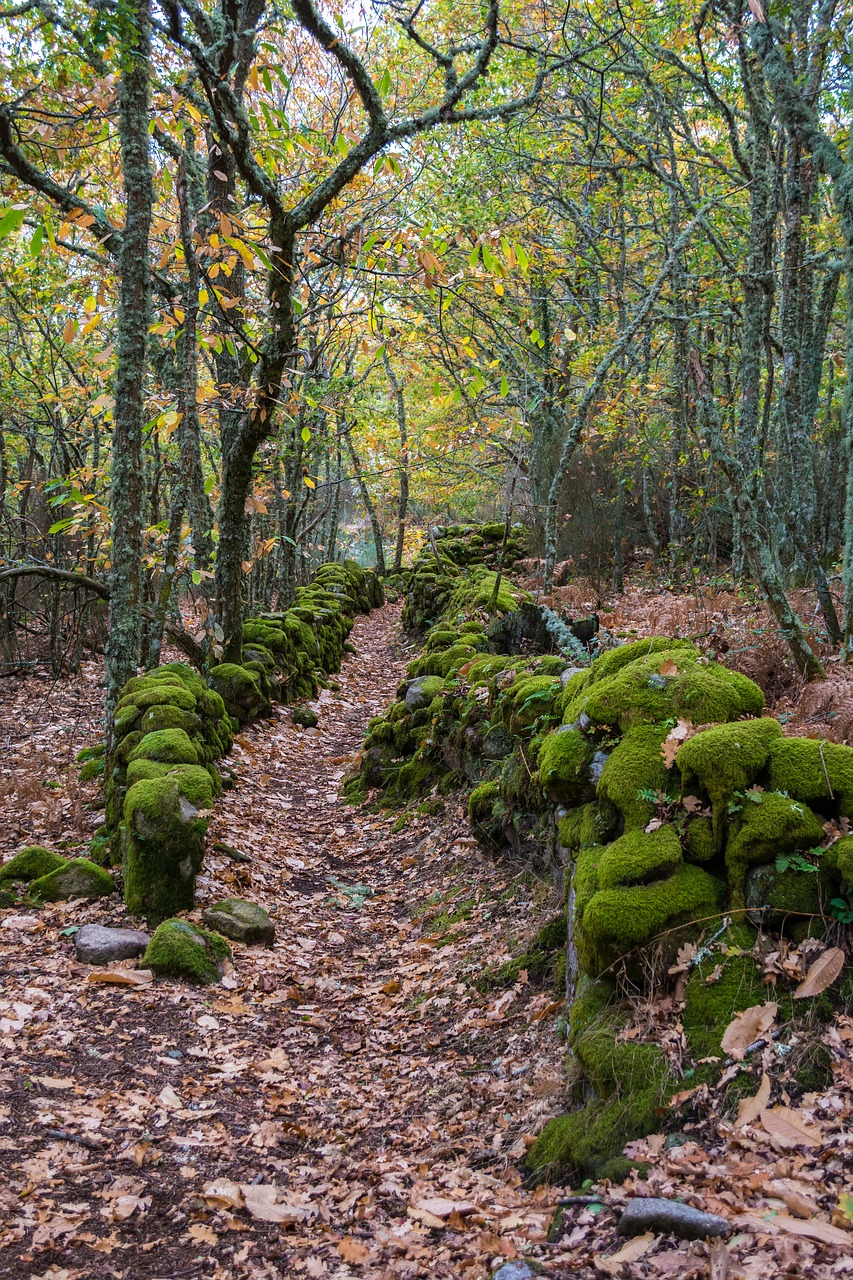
{"x":514,"y":1271}
{"x":673,"y":1217}
{"x":97,"y":944}
{"x":241,"y":921}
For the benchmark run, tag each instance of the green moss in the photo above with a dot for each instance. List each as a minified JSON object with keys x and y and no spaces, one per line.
{"x":528,"y":699}
{"x":181,"y":950}
{"x":172,"y":746}
{"x":725,"y":759}
{"x":77,"y":878}
{"x":159,"y":692}
{"x":709,"y":1008}
{"x":635,"y":765}
{"x":564,"y":762}
{"x":699,"y":842}
{"x":770,"y":824}
{"x":240,"y":690}
{"x":617,"y":920}
{"x":162,"y":716}
{"x":30,"y":864}
{"x":639,"y":858}
{"x":843,"y":856}
{"x":615,"y":660}
{"x":812,"y":769}
{"x":689,"y":686}
{"x":164,"y":844}
{"x":631,"y":1082}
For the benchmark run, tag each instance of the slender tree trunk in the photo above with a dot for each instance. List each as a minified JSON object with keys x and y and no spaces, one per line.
{"x":369,"y":505}
{"x":755,"y":545}
{"x":133,"y":318}
{"x":403,"y":468}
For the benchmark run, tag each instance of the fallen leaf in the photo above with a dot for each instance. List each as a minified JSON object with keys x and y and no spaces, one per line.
{"x":261,"y":1203}
{"x":668,"y":668}
{"x":749,"y":1109}
{"x":719,"y":1261}
{"x":199,"y":1233}
{"x":223,"y":1194}
{"x":822,"y":974}
{"x":795,"y":1197}
{"x":121,"y":977}
{"x":789,"y":1128}
{"x":748,"y":1027}
{"x":631,"y":1251}
{"x":351,"y":1250}
{"x":814,"y":1230}
{"x":171,"y":1100}
{"x":438,"y":1207}
{"x":53,"y":1082}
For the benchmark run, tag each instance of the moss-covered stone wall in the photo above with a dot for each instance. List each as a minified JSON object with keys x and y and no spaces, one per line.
{"x":171,"y":725}
{"x":675,"y":810}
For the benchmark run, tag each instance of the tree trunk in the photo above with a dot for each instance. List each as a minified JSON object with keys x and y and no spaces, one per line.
{"x":369,"y":505}
{"x":133,"y":318}
{"x":403,"y":468}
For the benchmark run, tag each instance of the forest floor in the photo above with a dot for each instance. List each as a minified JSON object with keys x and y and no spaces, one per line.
{"x":348,"y":1103}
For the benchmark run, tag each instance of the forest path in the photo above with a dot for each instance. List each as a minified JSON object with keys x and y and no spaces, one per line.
{"x":351,"y":1074}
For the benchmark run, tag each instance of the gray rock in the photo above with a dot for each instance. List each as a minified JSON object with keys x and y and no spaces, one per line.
{"x":421,"y":692}
{"x":596,"y":768}
{"x":96,"y":944}
{"x":672,"y":1217}
{"x":565,"y":676}
{"x":513,"y":1271}
{"x":241,"y":921}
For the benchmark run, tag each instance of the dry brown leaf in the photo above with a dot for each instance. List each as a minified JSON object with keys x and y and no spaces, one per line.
{"x":668,"y":668}
{"x":795,"y":1197}
{"x":822,"y":974}
{"x":261,"y":1202}
{"x":748,"y":1027}
{"x":682,"y":731}
{"x":749,"y":1109}
{"x":439,"y":1207}
{"x":200,"y":1233}
{"x":53,"y":1082}
{"x":121,"y":977}
{"x":170,"y":1099}
{"x":631,"y":1251}
{"x":223,"y":1194}
{"x":352,"y":1250}
{"x":814,"y":1230}
{"x":790,"y":1128}
{"x":720,"y":1261}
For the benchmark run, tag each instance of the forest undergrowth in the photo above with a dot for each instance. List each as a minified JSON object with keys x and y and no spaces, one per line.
{"x":348,"y":1103}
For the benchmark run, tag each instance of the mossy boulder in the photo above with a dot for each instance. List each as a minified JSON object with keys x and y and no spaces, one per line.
{"x":769,"y":824}
{"x":169,"y":746}
{"x":726,"y":759}
{"x":622,"y":919}
{"x":165,"y":821}
{"x":672,"y":682}
{"x":421,"y":692}
{"x":31,"y":864}
{"x":639,"y":858}
{"x":564,"y":762}
{"x":632,"y":772}
{"x":305,"y":717}
{"x":241,"y":921}
{"x":240,"y":690}
{"x":77,"y":878}
{"x":819,"y":772}
{"x":181,"y":950}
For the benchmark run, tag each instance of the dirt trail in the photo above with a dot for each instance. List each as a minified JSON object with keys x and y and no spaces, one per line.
{"x":354,"y":1068}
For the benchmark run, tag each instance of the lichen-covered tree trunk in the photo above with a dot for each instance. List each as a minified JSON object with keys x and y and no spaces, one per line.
{"x":370,"y":506}
{"x":133,"y":320}
{"x":403,"y":465}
